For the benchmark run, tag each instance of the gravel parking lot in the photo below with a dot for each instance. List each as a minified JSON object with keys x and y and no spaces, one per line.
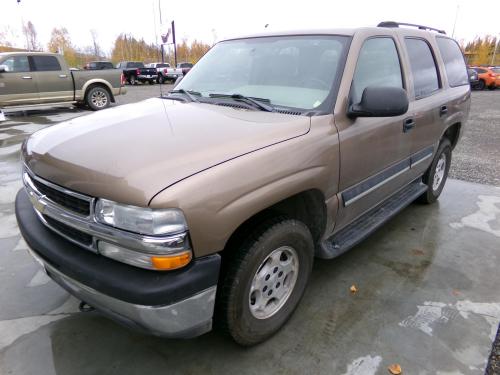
{"x":477,"y":156}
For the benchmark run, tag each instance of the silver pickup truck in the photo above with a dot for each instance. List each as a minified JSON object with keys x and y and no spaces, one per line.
{"x":38,"y":78}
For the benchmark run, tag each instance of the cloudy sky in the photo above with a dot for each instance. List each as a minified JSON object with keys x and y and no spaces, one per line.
{"x":211,"y":20}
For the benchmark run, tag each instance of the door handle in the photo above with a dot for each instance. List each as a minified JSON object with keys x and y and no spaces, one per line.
{"x":63,"y":75}
{"x":26,"y":77}
{"x":443,"y":110}
{"x":408,"y":124}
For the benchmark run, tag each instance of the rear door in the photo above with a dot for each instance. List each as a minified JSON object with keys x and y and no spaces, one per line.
{"x":54,"y":83}
{"x":374,"y":152}
{"x":427,"y":101}
{"x":17,"y":83}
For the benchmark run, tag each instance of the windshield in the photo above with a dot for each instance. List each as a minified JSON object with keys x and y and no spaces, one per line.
{"x":289,"y":71}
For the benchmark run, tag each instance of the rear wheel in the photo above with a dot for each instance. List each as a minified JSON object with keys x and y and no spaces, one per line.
{"x":151,"y":82}
{"x":265,"y":280}
{"x":436,"y":175}
{"x":492,"y":87}
{"x":133,"y":80}
{"x":161,"y":79}
{"x":97,"y":98}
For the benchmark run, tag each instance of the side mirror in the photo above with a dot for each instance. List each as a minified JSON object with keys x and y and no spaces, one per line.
{"x":3,"y":68}
{"x":380,"y":102}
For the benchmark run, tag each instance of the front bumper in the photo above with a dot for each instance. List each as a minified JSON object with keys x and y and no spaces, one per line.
{"x":177,"y":304}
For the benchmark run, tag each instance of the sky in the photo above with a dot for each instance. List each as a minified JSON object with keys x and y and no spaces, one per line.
{"x":213,"y":20}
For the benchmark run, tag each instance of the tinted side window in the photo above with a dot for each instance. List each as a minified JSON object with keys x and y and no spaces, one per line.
{"x":46,"y":63}
{"x":423,"y":67}
{"x":17,"y":64}
{"x":454,"y":62}
{"x":378,"y":65}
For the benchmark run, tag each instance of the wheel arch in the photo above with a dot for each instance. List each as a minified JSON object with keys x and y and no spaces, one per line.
{"x":95,"y":83}
{"x":307,"y":206}
{"x":453,"y":133}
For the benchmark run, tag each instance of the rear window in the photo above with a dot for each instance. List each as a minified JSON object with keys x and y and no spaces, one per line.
{"x":423,"y":67}
{"x":454,"y":62}
{"x":162,"y":65}
{"x":46,"y":63}
{"x":135,"y":65}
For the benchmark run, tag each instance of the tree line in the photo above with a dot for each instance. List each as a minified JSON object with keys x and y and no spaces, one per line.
{"x":125,"y":47}
{"x":479,"y":51}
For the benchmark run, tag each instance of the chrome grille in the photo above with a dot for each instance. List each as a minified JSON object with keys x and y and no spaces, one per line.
{"x":70,"y":232}
{"x":64,"y":212}
{"x":70,"y":202}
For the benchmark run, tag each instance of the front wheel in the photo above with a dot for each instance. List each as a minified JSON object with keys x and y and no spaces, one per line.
{"x":436,"y":175}
{"x":265,"y":280}
{"x":98,"y":98}
{"x":481,"y":85}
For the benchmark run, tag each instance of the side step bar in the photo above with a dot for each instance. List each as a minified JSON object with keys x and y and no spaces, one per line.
{"x":365,"y":225}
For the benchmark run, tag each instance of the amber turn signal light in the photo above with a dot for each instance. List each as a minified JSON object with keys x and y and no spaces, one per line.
{"x":171,"y":262}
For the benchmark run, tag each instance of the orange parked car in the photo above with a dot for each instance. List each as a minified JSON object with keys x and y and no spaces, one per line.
{"x":488,"y":77}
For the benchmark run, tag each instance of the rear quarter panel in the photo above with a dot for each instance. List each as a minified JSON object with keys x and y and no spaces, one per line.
{"x":84,"y":78}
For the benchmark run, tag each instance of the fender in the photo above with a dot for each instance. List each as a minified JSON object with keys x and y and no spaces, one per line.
{"x":93,"y":81}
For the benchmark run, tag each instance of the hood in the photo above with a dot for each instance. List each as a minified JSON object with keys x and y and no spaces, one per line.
{"x":131,"y":152}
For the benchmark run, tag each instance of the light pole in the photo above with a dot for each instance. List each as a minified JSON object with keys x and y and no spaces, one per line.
{"x":495,"y":50}
{"x":22,"y":26}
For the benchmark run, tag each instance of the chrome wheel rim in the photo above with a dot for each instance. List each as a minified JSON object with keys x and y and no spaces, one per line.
{"x":273,"y":282}
{"x":99,"y":99}
{"x":439,"y":172}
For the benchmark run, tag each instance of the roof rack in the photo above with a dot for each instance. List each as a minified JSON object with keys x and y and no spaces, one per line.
{"x":397,"y":24}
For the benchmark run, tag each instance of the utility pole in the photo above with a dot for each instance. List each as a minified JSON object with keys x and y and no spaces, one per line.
{"x":161,"y":23}
{"x":175,"y":45}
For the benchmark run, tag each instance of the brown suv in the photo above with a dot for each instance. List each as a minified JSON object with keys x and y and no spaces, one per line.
{"x":212,"y":202}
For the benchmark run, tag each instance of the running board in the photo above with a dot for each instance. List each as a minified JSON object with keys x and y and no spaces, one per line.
{"x":365,"y":225}
{"x":30,"y":107}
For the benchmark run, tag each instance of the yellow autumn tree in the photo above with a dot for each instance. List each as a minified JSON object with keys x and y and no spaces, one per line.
{"x":60,"y":42}
{"x":481,"y":51}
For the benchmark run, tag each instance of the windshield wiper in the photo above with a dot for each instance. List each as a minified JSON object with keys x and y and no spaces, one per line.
{"x":255,"y":102}
{"x":189,"y":93}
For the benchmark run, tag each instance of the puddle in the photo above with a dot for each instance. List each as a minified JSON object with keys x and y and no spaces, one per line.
{"x":366,"y":365}
{"x":486,"y":218}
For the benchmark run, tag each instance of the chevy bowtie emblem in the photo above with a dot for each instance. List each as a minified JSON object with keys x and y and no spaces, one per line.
{"x":37,"y":203}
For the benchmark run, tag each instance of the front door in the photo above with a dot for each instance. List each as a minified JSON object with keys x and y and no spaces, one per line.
{"x":54,"y":83}
{"x":17,"y":82}
{"x":374,"y":151}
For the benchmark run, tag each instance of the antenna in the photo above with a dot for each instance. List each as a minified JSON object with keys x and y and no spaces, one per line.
{"x":455,"y":23}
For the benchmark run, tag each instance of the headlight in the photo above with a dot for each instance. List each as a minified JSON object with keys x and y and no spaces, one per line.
{"x":162,"y":244}
{"x":141,"y":220}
